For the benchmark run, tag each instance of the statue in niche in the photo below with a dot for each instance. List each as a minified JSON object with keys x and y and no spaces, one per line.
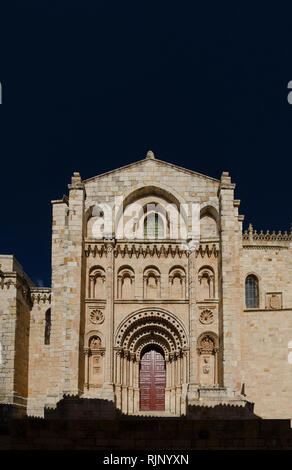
{"x":95,"y":342}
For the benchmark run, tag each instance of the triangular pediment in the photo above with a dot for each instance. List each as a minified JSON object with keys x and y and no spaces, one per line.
{"x":153,"y":162}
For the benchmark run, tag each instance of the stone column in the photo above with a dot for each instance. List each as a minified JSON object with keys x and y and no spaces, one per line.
{"x":91,"y":287}
{"x":229,"y":292}
{"x":119,"y":287}
{"x":167,"y":385}
{"x":125,"y":383}
{"x":73,"y":311}
{"x":183,"y":287}
{"x":172,"y":392}
{"x":179,"y":369}
{"x":131,"y":383}
{"x":170,"y":281}
{"x":178,"y":383}
{"x":109,"y":355}
{"x":192,"y":276}
{"x":136,"y":385}
{"x":144,"y":287}
{"x":216,"y":367}
{"x":60,"y":294}
{"x":118,"y":379}
{"x":86,"y":377}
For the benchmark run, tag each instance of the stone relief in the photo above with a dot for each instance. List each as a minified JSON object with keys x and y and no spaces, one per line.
{"x":206,"y":317}
{"x":96,"y":316}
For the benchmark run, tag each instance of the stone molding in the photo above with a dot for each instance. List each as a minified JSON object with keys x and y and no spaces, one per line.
{"x":252,"y":239}
{"x":41,"y":295}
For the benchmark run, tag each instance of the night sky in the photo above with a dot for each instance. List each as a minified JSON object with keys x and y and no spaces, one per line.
{"x":90,"y":86}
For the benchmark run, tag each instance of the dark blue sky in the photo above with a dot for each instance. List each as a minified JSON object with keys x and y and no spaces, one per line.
{"x":90,"y":86}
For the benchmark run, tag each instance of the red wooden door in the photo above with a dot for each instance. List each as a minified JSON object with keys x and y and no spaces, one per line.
{"x":152,"y":381}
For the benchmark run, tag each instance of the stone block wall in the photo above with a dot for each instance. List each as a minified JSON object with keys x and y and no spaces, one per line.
{"x":15,"y":305}
{"x":267,"y":333}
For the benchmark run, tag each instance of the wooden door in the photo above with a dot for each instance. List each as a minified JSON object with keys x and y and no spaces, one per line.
{"x":152,"y":381}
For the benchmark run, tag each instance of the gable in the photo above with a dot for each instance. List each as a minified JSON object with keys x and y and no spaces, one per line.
{"x":189,"y":185}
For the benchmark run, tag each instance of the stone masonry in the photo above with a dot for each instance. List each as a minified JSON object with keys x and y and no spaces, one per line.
{"x":116,"y":296}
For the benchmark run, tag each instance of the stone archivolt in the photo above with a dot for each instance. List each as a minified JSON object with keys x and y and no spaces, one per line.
{"x":158,"y":328}
{"x":150,"y":319}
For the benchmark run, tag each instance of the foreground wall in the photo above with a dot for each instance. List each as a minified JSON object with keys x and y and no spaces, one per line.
{"x":267,"y":330}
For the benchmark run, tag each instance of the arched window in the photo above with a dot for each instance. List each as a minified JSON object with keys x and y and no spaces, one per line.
{"x":96,"y":284}
{"x":151,"y":283}
{"x":177,"y":283}
{"x":252,"y":291}
{"x":153,"y":226}
{"x":207,"y":283}
{"x":48,"y":326}
{"x":125,"y":285}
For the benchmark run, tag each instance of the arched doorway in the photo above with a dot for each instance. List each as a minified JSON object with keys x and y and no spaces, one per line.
{"x":143,"y":331}
{"x":152,"y":380}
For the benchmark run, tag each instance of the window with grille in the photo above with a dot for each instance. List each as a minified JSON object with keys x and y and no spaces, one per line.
{"x":251,"y":292}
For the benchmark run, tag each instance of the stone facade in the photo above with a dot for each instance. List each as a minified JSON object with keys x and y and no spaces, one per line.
{"x":116,"y":296}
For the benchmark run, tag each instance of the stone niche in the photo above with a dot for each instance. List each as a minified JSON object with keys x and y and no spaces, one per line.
{"x":208,"y":359}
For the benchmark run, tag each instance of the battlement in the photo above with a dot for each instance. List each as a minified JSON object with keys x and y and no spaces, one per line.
{"x":251,"y":237}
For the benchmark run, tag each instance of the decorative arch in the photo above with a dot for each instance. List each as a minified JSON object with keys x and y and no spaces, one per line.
{"x":94,"y":213}
{"x":150,"y":342}
{"x":150,"y":328}
{"x":208,"y":348}
{"x":209,"y":222}
{"x":151,"y":283}
{"x":177,"y":282}
{"x":125,"y":282}
{"x":161,"y":195}
{"x":206,"y":279}
{"x":94,"y":360}
{"x":94,"y":342}
{"x":96,"y":283}
{"x":92,"y":333}
{"x":152,"y":317}
{"x":208,"y":341}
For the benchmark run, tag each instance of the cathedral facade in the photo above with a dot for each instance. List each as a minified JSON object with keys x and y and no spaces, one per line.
{"x":159,"y":300}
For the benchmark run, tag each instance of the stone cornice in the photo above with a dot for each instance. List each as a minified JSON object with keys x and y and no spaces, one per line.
{"x":41,"y":295}
{"x":252,"y":239}
{"x":64,"y":200}
{"x":150,"y":248}
{"x":275,"y":310}
{"x":263,"y":246}
{"x":20,"y":284}
{"x":149,"y":301}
